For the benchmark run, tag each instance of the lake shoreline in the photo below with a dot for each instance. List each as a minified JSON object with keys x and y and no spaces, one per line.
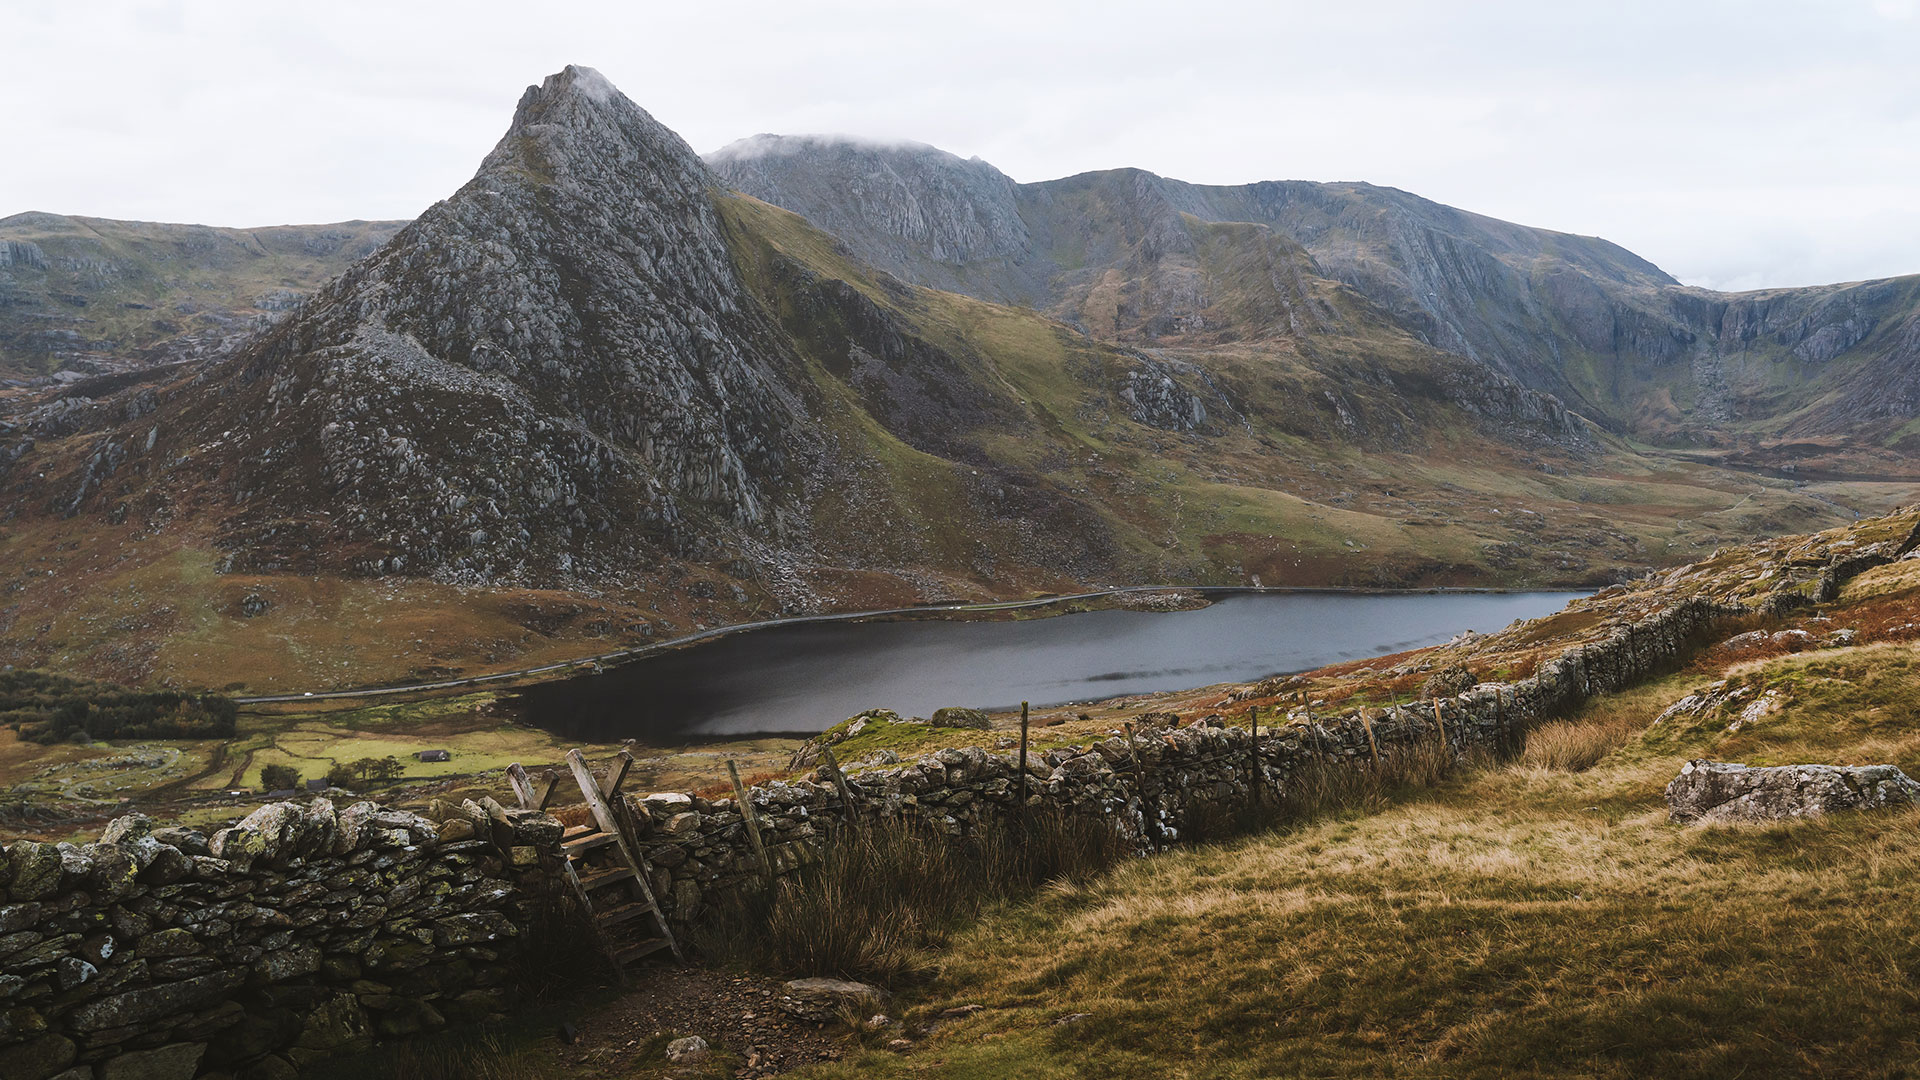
{"x":991,"y":611}
{"x":803,"y":674}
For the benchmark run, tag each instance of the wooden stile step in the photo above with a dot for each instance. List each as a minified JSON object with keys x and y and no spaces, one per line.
{"x":588,"y":843}
{"x":639,"y":950}
{"x":603,"y":878}
{"x":600,"y":854}
{"x":616,"y":916}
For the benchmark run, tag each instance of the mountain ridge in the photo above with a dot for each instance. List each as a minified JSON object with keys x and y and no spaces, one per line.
{"x":1580,"y":317}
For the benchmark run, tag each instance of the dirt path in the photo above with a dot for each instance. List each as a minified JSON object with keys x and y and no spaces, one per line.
{"x":736,"y":1014}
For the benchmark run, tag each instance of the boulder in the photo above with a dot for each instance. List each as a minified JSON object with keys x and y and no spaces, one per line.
{"x":956,"y":717}
{"x":822,"y":1000}
{"x":1715,"y":792}
{"x":687,"y":1051}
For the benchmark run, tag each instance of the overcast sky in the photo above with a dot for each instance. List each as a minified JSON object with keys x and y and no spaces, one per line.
{"x":1738,"y":145}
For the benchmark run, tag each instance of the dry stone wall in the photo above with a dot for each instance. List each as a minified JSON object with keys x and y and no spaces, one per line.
{"x":1156,"y":787}
{"x":302,"y":932}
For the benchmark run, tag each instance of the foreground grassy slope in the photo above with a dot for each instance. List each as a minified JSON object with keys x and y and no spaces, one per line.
{"x":1519,"y":921}
{"x":1538,"y":916}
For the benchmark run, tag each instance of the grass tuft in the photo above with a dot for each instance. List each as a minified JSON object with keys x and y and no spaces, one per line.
{"x":874,"y":902}
{"x":1580,"y":744}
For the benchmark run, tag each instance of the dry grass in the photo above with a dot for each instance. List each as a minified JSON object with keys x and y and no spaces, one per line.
{"x":875,"y":902}
{"x":1522,"y":921}
{"x":1580,"y":744}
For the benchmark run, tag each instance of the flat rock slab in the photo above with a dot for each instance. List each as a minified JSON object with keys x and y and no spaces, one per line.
{"x":822,"y":1000}
{"x":1713,"y":792}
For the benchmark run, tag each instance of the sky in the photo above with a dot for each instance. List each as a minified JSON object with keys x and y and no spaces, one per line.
{"x":1737,"y":145}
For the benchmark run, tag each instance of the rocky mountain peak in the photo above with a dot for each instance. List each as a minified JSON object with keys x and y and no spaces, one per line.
{"x":555,"y":367}
{"x":576,"y":129}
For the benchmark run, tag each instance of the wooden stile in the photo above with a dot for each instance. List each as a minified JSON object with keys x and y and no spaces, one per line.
{"x":598,"y":857}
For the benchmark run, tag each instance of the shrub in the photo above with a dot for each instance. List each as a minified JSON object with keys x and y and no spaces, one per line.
{"x":279,"y":777}
{"x":1577,"y":745}
{"x":1324,"y":787}
{"x":47,"y":708}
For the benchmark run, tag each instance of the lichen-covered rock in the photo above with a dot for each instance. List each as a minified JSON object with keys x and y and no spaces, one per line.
{"x":37,"y":1059}
{"x":237,"y":846}
{"x":533,"y":828}
{"x":1457,"y":679}
{"x":688,"y":1051}
{"x":36,"y":870}
{"x":127,"y":828}
{"x":152,"y":1002}
{"x":179,"y":1061}
{"x":955,"y":717}
{"x":1713,"y":792}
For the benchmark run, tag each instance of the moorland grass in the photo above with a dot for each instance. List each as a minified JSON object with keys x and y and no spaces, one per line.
{"x":1521,"y":920}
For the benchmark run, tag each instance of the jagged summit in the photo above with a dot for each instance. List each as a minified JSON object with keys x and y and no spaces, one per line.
{"x":576,"y":127}
{"x":561,"y":352}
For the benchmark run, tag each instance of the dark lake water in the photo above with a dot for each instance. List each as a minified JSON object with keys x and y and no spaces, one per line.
{"x":806,"y":677}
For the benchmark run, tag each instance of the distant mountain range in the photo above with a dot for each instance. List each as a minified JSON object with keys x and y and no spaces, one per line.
{"x":1129,"y":256}
{"x":90,"y":296}
{"x":598,"y":393}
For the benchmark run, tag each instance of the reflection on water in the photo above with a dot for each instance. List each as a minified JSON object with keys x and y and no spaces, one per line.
{"x":806,"y":677}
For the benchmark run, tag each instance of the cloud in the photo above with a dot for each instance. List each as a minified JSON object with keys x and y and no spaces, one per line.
{"x":1773,"y":140}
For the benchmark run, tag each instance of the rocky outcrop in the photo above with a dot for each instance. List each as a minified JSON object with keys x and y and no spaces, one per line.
{"x":91,"y":296}
{"x":298,"y":933}
{"x":1153,"y":398}
{"x":1717,"y":793}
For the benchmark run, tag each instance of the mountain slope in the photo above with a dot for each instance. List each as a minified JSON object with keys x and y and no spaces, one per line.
{"x":1609,"y":333}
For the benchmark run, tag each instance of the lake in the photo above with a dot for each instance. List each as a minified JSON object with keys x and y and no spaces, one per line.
{"x":805,"y":677}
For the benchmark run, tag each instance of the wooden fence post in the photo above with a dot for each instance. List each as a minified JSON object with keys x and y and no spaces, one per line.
{"x":840,"y":784}
{"x":1440,"y":722}
{"x":745,"y":806}
{"x":1140,"y":784}
{"x":1258,"y":777}
{"x":1023,"y":760}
